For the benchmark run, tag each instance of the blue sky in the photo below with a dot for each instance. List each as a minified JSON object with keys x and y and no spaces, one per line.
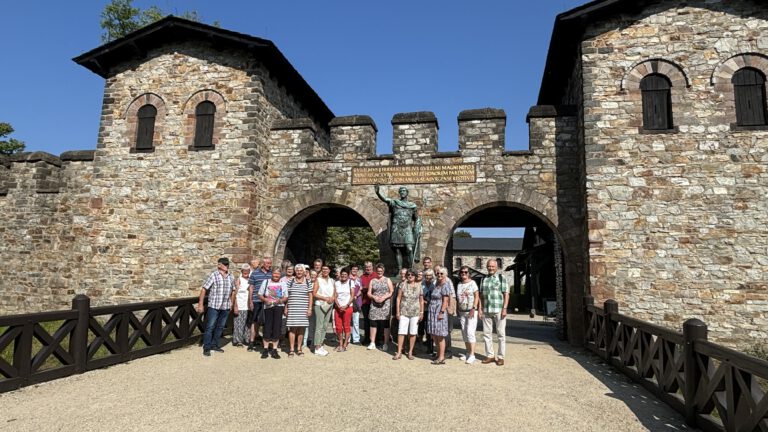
{"x":361,"y":57}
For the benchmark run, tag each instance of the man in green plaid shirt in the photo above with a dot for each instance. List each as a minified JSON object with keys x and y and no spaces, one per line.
{"x":494,"y":297}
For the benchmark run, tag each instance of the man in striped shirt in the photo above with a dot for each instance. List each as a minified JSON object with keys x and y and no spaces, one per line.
{"x":494,"y":297}
{"x":220,"y":287}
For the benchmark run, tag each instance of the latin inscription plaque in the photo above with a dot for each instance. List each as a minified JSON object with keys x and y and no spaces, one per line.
{"x":414,"y":174}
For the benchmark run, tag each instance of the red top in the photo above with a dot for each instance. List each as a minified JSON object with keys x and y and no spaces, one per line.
{"x":365,"y":280}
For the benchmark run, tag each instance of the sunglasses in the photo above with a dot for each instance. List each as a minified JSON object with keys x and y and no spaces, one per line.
{"x":463,"y":272}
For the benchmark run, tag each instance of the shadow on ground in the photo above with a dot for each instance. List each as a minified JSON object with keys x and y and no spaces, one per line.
{"x":652,"y":413}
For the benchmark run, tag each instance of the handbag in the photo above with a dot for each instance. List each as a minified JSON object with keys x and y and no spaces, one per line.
{"x":452,"y":305}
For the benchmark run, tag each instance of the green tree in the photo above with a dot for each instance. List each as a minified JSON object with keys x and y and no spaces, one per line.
{"x":11,"y":145}
{"x":351,"y":245}
{"x":462,"y":234}
{"x":120,"y":17}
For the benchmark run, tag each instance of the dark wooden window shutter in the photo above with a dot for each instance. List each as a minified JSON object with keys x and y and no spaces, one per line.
{"x":146,"y":128}
{"x":749,"y":95}
{"x":205,"y":113}
{"x":657,"y":102}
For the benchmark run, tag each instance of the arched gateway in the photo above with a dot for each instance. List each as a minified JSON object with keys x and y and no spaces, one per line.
{"x":277,"y":165}
{"x":669,"y":222}
{"x":447,"y":187}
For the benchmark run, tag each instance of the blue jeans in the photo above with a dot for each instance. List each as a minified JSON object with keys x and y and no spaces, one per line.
{"x":215,"y":321}
{"x":355,"y":327}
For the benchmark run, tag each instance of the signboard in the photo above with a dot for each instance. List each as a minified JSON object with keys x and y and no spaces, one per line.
{"x":414,"y":174}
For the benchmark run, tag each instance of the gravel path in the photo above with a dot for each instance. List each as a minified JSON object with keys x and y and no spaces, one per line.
{"x":543,"y":387}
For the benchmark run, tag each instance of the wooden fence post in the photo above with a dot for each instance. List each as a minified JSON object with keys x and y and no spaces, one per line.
{"x":79,"y":343}
{"x":693,"y":330}
{"x":610,"y":306}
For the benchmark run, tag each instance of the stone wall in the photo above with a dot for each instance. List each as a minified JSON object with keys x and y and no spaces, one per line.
{"x":130,"y":225}
{"x":44,"y":213}
{"x":678,"y":221}
{"x":300,"y":183}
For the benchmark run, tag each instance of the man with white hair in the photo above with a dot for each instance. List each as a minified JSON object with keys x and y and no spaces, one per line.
{"x":494,"y":297}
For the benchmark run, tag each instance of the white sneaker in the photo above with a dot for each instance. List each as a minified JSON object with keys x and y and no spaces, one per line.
{"x":470,"y":359}
{"x":384,"y":347}
{"x":372,"y":346}
{"x":462,"y":357}
{"x":321,"y":352}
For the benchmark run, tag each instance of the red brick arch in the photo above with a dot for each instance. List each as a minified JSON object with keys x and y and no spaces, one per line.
{"x":723,"y":72}
{"x":188,"y":110}
{"x":132,"y":120}
{"x":671,"y":70}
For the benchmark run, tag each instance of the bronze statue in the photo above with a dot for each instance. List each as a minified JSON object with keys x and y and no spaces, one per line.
{"x":404,"y":227}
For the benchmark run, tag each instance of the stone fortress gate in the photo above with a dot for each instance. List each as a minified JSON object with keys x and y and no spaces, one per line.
{"x":212,"y":144}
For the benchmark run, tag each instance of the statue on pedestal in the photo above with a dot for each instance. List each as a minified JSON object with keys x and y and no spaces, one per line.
{"x":404,"y":227}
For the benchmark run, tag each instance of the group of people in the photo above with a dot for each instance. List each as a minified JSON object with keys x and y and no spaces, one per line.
{"x":422,"y":306}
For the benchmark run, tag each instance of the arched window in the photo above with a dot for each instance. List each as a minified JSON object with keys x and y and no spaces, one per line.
{"x":749,"y":95}
{"x":657,"y":102}
{"x":500,"y":263}
{"x":458,"y":263}
{"x":478,"y":263}
{"x":146,"y":128}
{"x":205,"y":113}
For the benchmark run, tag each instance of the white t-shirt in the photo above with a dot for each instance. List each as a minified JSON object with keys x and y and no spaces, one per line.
{"x":344,"y":292}
{"x":242,"y":294}
{"x":325,"y":289}
{"x":466,"y":295}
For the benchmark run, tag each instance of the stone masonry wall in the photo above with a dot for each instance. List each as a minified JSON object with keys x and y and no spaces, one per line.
{"x":299,"y":182}
{"x":678,"y":221}
{"x":176,"y":210}
{"x":44,"y":211}
{"x":132,"y":226}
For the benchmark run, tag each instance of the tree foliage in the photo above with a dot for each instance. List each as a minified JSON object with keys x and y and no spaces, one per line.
{"x":120,"y":17}
{"x":11,"y":145}
{"x":462,"y":234}
{"x":351,"y":245}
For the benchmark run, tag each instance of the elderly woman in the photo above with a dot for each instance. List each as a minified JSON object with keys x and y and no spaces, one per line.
{"x":394,"y":323}
{"x":274,"y":294}
{"x":241,"y":333}
{"x":409,"y":310}
{"x":324,"y":293}
{"x":288,"y":273}
{"x":467,"y":302}
{"x":311,"y":329}
{"x":437,"y":326}
{"x":342,"y":311}
{"x":380,"y":293}
{"x":299,"y":309}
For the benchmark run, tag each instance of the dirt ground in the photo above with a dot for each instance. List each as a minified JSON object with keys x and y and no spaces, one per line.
{"x":545,"y":385}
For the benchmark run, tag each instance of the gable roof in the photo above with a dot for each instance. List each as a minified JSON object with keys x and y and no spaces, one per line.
{"x":568,"y":33}
{"x":104,"y":59}
{"x":487,"y":244}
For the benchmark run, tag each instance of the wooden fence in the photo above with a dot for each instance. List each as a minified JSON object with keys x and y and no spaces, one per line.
{"x":716,"y":388}
{"x":44,"y":346}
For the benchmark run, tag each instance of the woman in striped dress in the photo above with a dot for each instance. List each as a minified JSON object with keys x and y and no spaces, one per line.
{"x":299,"y":309}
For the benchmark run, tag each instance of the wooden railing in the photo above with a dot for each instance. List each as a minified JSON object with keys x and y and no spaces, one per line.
{"x":44,"y":346}
{"x":716,"y":388}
